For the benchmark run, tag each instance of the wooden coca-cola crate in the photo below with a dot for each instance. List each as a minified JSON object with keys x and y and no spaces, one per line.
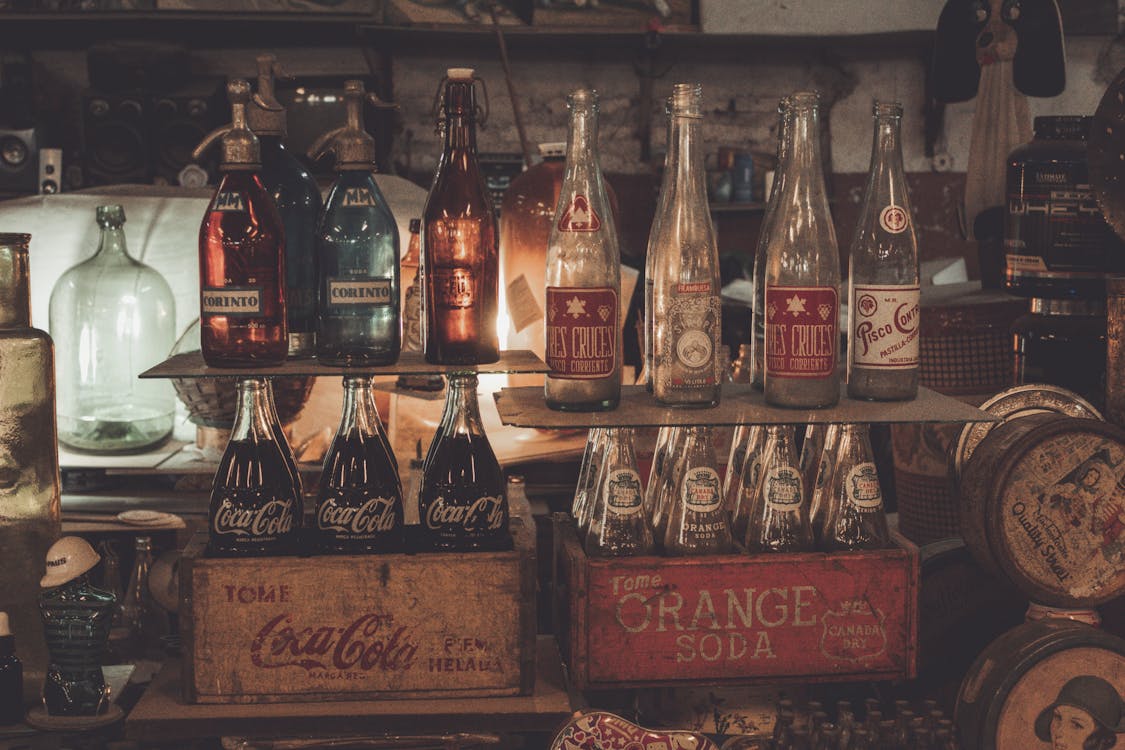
{"x":356,"y":627}
{"x":649,"y":621}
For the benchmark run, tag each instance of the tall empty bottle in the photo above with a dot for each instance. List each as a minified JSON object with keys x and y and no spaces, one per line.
{"x":618,"y":525}
{"x":687,"y":314}
{"x":883,"y":335}
{"x":357,"y":252}
{"x":112,"y":318}
{"x":650,"y":251}
{"x":583,"y":277}
{"x":802,"y":276}
{"x":460,"y":255}
{"x":297,"y":197}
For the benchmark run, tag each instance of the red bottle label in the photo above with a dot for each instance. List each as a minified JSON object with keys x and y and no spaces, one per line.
{"x":579,"y":216}
{"x":802,"y":331}
{"x":581,"y":332}
{"x":453,"y":287}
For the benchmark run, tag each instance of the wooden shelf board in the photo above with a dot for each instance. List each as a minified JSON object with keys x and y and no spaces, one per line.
{"x":161,"y":712}
{"x":191,"y":365}
{"x":740,"y":404}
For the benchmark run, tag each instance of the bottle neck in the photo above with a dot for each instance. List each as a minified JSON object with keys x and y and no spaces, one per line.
{"x":462,"y":413}
{"x":112,"y":243}
{"x":804,"y":175}
{"x":582,"y":164}
{"x":360,"y":413}
{"x":15,"y":287}
{"x":886,"y":156}
{"x":687,"y":161}
{"x":460,"y":117}
{"x":252,"y":419}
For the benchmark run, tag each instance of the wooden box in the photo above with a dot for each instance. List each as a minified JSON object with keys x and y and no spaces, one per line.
{"x":650,"y":621}
{"x":356,"y":627}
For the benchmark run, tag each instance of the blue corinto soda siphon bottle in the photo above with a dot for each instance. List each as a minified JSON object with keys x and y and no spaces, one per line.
{"x":357,"y":250}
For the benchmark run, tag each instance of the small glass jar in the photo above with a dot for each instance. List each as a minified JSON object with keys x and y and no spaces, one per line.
{"x":1062,"y":342}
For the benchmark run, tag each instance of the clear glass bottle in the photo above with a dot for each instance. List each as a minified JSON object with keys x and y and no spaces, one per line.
{"x":743,"y":494}
{"x":802,"y":276}
{"x":241,"y":253}
{"x":110,"y":579}
{"x":112,"y":317}
{"x":412,"y":299}
{"x":618,"y":525}
{"x":359,"y":508}
{"x":811,"y":449}
{"x":653,"y":235}
{"x":822,"y":481}
{"x":665,"y":490}
{"x":460,"y":256}
{"x":29,"y":459}
{"x":660,"y":458}
{"x":146,"y":622}
{"x":736,"y":457}
{"x":357,"y":251}
{"x":758,"y":321}
{"x":255,"y":508}
{"x":779,"y":520}
{"x":883,"y":280}
{"x":463,"y":505}
{"x":687,"y":314}
{"x":583,"y":326}
{"x":297,"y":196}
{"x":588,"y":479}
{"x":697,"y":521}
{"x":854,"y":517}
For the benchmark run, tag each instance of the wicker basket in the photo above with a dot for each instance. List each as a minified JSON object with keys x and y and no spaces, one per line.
{"x":211,"y":402}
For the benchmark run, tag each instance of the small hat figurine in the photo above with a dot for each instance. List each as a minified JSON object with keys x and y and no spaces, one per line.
{"x":76,"y":622}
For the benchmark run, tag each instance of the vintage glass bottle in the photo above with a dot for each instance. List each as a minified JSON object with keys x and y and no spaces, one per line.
{"x":297,"y":197}
{"x":583,"y":325}
{"x":735,"y":458}
{"x":255,"y":508}
{"x":779,"y":520}
{"x":687,"y":313}
{"x":653,"y":233}
{"x":146,"y":622}
{"x":660,"y":458}
{"x":854,"y":518}
{"x":592,"y":457}
{"x":29,"y":461}
{"x":460,"y":256}
{"x":359,"y":508}
{"x":758,"y":321}
{"x":822,"y":481}
{"x":802,"y":276}
{"x":112,"y":317}
{"x":618,"y":525}
{"x":742,"y":498}
{"x":812,"y":448}
{"x":463,"y":505}
{"x":697,"y":521}
{"x":241,"y":254}
{"x":411,"y":281}
{"x":357,"y":252}
{"x":664,"y":490}
{"x":883,"y":281}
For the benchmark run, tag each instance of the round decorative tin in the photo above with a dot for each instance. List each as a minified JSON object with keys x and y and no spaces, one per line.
{"x":1014,"y":403}
{"x":1048,"y":684}
{"x":1043,"y":504}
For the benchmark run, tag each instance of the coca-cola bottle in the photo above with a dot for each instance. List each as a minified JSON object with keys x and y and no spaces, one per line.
{"x":854,"y":517}
{"x":618,"y":526}
{"x":802,"y":276}
{"x":741,"y":501}
{"x":697,"y":521}
{"x":460,"y":256}
{"x":241,"y":254}
{"x":583,"y":342}
{"x":822,"y":481}
{"x":687,"y":313}
{"x":255,"y":509}
{"x":779,"y":520}
{"x":758,"y":322}
{"x":463,"y":505}
{"x":883,"y":340}
{"x":359,"y":508}
{"x":651,"y":253}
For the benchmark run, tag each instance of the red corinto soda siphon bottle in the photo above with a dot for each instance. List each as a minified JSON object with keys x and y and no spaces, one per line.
{"x":241,"y":254}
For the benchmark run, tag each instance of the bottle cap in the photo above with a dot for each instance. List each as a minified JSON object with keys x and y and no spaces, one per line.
{"x":459,"y":74}
{"x":265,"y":115}
{"x":353,"y":145}
{"x":241,"y":150}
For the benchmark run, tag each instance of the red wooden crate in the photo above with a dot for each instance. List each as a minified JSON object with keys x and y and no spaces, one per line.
{"x":649,"y":621}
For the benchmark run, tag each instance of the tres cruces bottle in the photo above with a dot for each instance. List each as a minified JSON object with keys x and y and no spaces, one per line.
{"x":583,"y":277}
{"x":255,"y":507}
{"x":687,"y":313}
{"x":463,"y":505}
{"x":802,"y":276}
{"x":241,"y":254}
{"x":618,"y":525}
{"x":359,"y":508}
{"x":883,"y":340}
{"x":460,"y":255}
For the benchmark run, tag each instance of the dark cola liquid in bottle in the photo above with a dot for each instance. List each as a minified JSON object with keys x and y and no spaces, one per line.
{"x":460,"y":250}
{"x":359,"y":508}
{"x":255,"y":508}
{"x":463,"y":504}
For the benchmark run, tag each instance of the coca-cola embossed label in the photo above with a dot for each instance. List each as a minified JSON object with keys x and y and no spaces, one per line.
{"x":783,"y":488}
{"x":802,"y":331}
{"x":371,"y":642}
{"x":862,"y":487}
{"x":253,"y":521}
{"x":579,"y":216}
{"x":701,"y":489}
{"x":693,"y":324}
{"x":453,"y":287}
{"x":229,"y":201}
{"x":483,"y":515}
{"x":623,"y":492}
{"x":359,"y":290}
{"x":232,"y":301}
{"x":581,"y":332}
{"x":885,"y":326}
{"x":358,"y":196}
{"x":349,"y":520}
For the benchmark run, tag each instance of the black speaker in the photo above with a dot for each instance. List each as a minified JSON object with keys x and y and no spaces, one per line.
{"x":115,"y":136}
{"x":179,"y":122}
{"x":19,"y":160}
